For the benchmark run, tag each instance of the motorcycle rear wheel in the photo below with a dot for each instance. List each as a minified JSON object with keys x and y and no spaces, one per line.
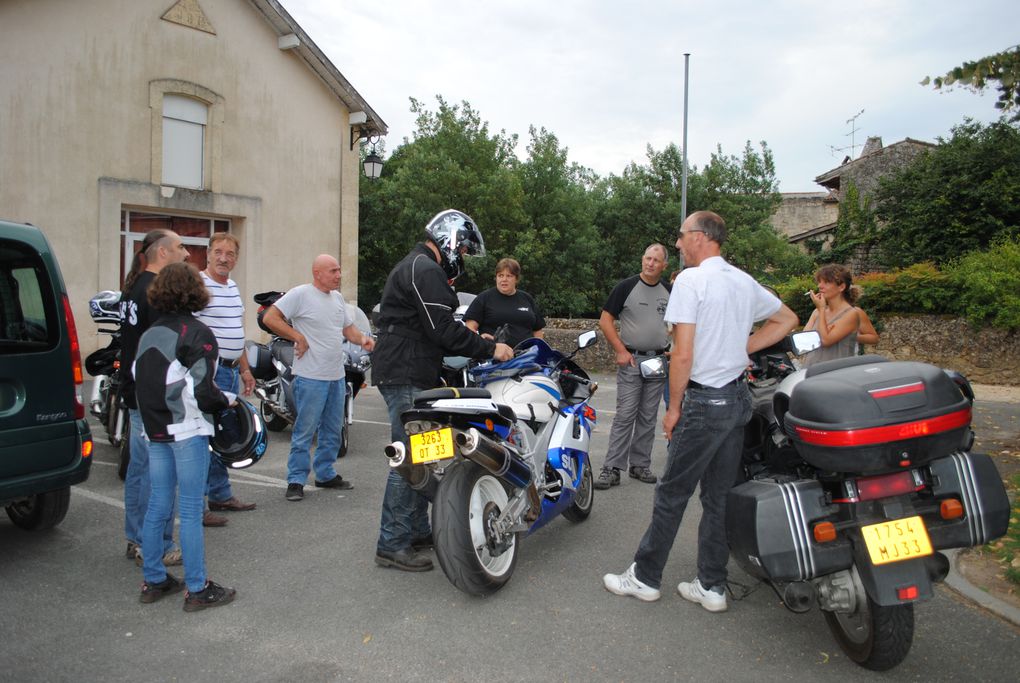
{"x":466,"y":503}
{"x":583,"y":499}
{"x":125,"y":450}
{"x":876,"y":637}
{"x":274,"y":422}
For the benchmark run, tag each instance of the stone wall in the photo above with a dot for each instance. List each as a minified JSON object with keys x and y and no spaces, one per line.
{"x":800,"y":212}
{"x":985,"y":356}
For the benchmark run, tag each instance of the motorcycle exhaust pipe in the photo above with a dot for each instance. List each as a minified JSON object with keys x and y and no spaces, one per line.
{"x":494,"y":457}
{"x":419,"y":477}
{"x":798,"y":596}
{"x":937,"y":566}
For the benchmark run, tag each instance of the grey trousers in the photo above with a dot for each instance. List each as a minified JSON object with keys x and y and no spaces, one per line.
{"x":637,"y":407}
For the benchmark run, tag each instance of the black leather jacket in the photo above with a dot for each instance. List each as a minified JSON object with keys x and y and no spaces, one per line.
{"x":416,"y":326}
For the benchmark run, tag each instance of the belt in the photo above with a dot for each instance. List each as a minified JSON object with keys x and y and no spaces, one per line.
{"x":230,"y":363}
{"x":652,"y":352}
{"x":691,"y":384}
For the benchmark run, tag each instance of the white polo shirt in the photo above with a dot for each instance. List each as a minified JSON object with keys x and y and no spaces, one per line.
{"x":723,"y":302}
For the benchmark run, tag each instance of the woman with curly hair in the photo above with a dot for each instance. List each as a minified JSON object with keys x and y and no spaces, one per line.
{"x":835,"y":316}
{"x":174,"y":376}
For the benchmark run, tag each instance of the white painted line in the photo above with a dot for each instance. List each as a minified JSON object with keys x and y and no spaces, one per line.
{"x":113,"y":502}
{"x":372,"y":422}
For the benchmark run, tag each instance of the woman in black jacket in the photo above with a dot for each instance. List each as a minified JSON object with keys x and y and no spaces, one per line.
{"x":174,"y":375}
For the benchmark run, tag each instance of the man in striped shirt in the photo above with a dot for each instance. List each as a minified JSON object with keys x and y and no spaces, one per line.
{"x":225,"y":317}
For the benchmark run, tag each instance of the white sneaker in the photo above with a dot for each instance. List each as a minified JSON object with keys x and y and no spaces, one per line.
{"x":628,"y":584}
{"x":709,"y":599}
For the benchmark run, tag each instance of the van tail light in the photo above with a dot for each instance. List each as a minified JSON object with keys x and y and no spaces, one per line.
{"x":76,"y":371}
{"x":86,"y":448}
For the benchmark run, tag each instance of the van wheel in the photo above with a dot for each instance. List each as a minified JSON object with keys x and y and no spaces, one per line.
{"x":42,"y":511}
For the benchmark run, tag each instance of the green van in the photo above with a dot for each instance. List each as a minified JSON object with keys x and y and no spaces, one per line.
{"x":45,"y":442}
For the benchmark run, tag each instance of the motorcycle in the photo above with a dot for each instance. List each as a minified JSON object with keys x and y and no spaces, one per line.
{"x":272,"y":364}
{"x":856,"y":474}
{"x":501,"y":459}
{"x":104,"y":366}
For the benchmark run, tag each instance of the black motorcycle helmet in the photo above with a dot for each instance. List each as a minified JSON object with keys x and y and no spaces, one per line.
{"x":455,"y":234}
{"x":240,"y":439}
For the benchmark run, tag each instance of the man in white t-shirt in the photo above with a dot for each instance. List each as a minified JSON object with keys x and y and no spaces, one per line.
{"x":319,"y":322}
{"x":712,"y":308}
{"x":224,"y":316}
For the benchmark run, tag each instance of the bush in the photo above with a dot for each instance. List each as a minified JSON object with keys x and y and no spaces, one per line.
{"x":792,"y":292}
{"x":987,"y":283}
{"x":920,"y":288}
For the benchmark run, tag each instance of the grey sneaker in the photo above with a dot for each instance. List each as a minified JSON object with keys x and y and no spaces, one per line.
{"x":643,"y":474}
{"x":172,"y":558}
{"x":627,"y":584}
{"x":713,"y":599}
{"x":609,"y":476}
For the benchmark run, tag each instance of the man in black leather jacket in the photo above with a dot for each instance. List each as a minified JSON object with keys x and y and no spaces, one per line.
{"x":416,"y":328}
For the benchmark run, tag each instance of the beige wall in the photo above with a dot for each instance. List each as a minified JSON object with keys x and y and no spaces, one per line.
{"x":78,"y":138}
{"x":803,"y":211}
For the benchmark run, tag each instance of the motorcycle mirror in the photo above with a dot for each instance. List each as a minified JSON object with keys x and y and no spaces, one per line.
{"x":654,"y":368}
{"x":586,"y":339}
{"x":803,"y":342}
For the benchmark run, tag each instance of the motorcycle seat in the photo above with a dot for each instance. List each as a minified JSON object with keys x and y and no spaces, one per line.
{"x":425,"y":398}
{"x":283,"y":351}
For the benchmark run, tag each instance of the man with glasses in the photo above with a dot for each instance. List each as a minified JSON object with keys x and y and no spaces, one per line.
{"x":638,"y":303}
{"x":712,"y":308}
{"x":224,"y":316}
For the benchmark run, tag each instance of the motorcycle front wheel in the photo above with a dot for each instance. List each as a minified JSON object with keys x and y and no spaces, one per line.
{"x":344,"y":434}
{"x":583,"y":499}
{"x":876,"y":637}
{"x":467,"y":503}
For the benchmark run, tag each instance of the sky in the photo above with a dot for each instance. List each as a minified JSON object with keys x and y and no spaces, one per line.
{"x":607,"y":78}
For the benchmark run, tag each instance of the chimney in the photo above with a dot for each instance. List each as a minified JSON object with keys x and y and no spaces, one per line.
{"x":871,"y":146}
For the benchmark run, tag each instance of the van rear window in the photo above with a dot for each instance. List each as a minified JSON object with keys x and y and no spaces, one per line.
{"x":28,"y":315}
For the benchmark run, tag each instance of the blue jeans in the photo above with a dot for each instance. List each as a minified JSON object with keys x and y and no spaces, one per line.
{"x":320,"y":408}
{"x":405,"y":512}
{"x":137,"y":488}
{"x":179,"y":464}
{"x":218,"y":488}
{"x":705,"y":447}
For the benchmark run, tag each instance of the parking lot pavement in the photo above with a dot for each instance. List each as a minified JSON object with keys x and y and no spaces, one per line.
{"x":313,"y":606}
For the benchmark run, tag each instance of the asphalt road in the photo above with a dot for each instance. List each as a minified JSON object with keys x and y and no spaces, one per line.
{"x":312,"y":605}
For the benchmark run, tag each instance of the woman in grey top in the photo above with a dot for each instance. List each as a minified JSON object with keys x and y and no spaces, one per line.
{"x":835,"y":317}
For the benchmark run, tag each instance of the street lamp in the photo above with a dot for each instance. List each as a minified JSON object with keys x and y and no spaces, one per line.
{"x":373,"y":165}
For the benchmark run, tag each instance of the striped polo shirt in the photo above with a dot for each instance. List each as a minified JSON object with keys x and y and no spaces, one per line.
{"x":224,"y":316}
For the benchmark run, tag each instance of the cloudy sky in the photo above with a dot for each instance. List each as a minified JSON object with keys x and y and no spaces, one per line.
{"x":607,"y":77}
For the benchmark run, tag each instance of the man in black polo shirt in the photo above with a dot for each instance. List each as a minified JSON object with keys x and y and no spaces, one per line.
{"x":638,"y":303}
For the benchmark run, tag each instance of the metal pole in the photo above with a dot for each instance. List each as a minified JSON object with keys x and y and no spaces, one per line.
{"x":683,"y":183}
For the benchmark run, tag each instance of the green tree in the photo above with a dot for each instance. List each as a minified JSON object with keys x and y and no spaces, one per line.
{"x":856,"y":232}
{"x":958,"y":197}
{"x":1001,"y":70}
{"x":744,"y":191}
{"x":453,"y":161}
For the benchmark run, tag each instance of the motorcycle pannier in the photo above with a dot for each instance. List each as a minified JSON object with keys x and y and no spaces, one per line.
{"x":877,"y":417}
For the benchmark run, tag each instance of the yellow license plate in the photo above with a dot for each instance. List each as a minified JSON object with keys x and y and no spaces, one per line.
{"x":432,"y":446}
{"x":898,"y":540}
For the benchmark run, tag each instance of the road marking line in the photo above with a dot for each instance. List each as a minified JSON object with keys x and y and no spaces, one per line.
{"x":79,"y":491}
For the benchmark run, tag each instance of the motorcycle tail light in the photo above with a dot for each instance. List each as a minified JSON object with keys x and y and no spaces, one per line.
{"x":951,"y":508}
{"x":844,"y":438}
{"x":886,"y":485}
{"x":907,"y":593}
{"x":824,"y":532}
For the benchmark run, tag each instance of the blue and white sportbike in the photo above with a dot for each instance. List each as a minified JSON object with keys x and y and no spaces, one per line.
{"x":501,"y":459}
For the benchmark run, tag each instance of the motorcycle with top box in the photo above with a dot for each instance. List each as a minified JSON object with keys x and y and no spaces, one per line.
{"x":856,"y":474}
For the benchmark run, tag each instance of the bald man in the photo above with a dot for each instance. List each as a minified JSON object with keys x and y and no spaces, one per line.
{"x":318,"y":325}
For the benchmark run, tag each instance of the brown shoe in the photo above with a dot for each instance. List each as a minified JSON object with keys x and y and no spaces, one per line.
{"x":230,"y":505}
{"x":209,"y":519}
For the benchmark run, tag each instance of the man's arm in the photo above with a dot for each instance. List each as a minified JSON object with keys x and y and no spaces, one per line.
{"x":274,"y":320}
{"x":681,"y":359}
{"x":608,"y":327}
{"x":772,"y":331}
{"x":356,"y":336}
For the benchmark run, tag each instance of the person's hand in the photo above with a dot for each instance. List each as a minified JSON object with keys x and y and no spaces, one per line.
{"x":368,"y":343}
{"x":503,"y":352}
{"x":672,"y":416}
{"x":248,"y":382}
{"x":624,"y":358}
{"x":300,"y":345}
{"x":817,"y":299}
{"x":486,"y":335}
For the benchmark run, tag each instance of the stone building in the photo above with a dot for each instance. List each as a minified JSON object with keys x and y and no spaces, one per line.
{"x":120,"y":116}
